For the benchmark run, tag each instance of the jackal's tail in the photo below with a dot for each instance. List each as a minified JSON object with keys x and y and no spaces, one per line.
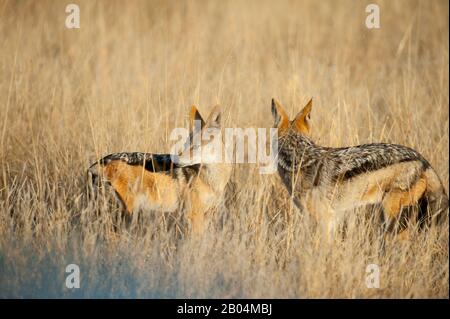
{"x":434,"y":204}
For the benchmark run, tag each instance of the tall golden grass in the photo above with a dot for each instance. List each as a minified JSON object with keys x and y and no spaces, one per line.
{"x":126,"y":78}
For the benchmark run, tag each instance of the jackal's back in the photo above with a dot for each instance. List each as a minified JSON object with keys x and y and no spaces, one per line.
{"x":298,"y":152}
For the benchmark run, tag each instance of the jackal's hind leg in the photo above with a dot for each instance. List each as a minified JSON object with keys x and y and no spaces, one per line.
{"x":127,"y":198}
{"x":396,"y":200}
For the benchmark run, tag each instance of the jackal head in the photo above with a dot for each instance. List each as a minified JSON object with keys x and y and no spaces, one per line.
{"x":205,"y":144}
{"x":299,"y":125}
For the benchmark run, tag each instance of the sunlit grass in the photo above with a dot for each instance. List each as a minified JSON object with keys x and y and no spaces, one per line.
{"x":127,"y":77}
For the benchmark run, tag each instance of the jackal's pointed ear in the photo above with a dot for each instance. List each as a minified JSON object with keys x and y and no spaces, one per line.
{"x":281,"y":120}
{"x":215,"y":117}
{"x":195,"y":118}
{"x":301,"y":121}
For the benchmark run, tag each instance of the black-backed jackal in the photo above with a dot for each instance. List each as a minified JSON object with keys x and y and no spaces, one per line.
{"x":156,"y":182}
{"x":325,"y":182}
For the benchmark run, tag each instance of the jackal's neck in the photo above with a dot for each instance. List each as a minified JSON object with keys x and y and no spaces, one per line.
{"x":216,"y":175}
{"x":297,"y":151}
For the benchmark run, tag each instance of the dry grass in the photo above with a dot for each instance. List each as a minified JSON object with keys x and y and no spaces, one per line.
{"x":127,"y":77}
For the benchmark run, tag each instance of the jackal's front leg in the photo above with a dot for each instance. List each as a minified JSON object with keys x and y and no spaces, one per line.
{"x":330,"y":226}
{"x":196,"y":215}
{"x":325,"y":216}
{"x":196,"y":219}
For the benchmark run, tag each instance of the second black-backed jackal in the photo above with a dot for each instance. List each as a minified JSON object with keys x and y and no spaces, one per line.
{"x":326,"y":182}
{"x":155,"y":182}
